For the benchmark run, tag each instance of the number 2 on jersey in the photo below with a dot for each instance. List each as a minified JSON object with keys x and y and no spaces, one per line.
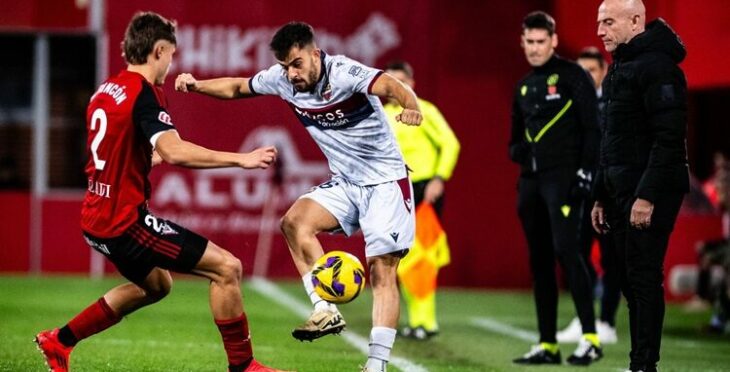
{"x":100,"y":116}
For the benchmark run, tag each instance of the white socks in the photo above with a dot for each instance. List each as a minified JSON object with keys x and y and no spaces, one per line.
{"x":318,"y":302}
{"x":381,"y":342}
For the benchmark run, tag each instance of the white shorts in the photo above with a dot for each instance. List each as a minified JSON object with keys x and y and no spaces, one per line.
{"x":384,"y":212}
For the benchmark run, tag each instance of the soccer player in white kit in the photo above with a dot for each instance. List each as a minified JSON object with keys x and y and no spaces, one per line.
{"x":336,"y":98}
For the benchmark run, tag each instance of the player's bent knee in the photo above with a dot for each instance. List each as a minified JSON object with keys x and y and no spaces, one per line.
{"x":292,"y":223}
{"x":158,"y":293}
{"x":294,"y":227}
{"x":231,"y":270}
{"x":158,"y":289}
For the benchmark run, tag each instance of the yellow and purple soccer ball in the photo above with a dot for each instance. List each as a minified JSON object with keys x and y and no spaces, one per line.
{"x":338,"y":277}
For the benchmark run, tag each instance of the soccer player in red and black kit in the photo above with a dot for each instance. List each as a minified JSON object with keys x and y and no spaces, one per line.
{"x":129,"y":128}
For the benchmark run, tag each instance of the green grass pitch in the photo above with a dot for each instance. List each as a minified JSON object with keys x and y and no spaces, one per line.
{"x":178,"y":334}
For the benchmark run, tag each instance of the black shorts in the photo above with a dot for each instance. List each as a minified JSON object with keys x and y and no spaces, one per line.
{"x":148,"y":243}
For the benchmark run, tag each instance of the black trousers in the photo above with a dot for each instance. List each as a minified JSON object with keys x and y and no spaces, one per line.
{"x":553,"y":225}
{"x":611,"y":280}
{"x":641,"y":260}
{"x":611,"y":294}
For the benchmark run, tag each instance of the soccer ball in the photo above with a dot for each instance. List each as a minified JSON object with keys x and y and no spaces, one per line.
{"x":338,"y":277}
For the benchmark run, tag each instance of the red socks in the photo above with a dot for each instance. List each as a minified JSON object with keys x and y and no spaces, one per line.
{"x":99,"y":316}
{"x":236,"y":339}
{"x":94,"y":319}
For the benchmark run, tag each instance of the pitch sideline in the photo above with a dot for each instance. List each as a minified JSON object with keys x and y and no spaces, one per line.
{"x":504,"y":329}
{"x":271,"y":291}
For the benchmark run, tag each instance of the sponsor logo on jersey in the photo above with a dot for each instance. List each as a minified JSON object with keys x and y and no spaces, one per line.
{"x":340,"y":115}
{"x":164,"y":118}
{"x":99,"y":188}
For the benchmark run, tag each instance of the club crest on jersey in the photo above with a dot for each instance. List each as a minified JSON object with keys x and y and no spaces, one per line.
{"x":552,"y":87}
{"x":164,"y":118}
{"x":327,"y":92}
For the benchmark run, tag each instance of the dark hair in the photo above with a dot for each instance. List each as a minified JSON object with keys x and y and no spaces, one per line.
{"x":592,"y":52}
{"x":143,"y":31}
{"x":539,"y":19}
{"x":399,"y":65}
{"x":292,"y":34}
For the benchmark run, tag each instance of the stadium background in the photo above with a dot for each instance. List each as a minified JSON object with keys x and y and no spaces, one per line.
{"x":467,"y":58}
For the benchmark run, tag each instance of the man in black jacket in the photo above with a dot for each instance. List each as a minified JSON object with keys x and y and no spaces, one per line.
{"x":643,"y":173}
{"x":554,"y":139}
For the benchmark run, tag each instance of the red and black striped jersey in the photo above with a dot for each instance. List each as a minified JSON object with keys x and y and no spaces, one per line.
{"x":124,"y":118}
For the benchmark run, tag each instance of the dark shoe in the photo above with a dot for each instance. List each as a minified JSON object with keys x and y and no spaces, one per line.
{"x":419,"y":333}
{"x":538,"y":355}
{"x":585,"y":354}
{"x":422,"y":334}
{"x":406,"y":332}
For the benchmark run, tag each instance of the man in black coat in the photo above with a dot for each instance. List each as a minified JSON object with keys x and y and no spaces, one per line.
{"x":643,"y":173}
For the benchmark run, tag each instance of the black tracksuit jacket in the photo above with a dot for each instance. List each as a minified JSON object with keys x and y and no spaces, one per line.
{"x":554,"y":119}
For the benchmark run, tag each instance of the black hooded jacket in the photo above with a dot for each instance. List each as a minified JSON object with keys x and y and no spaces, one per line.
{"x":643,"y":132}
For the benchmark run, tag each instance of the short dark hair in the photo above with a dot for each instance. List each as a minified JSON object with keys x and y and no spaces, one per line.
{"x":592,"y":52}
{"x":399,"y":65}
{"x":143,"y":31}
{"x":292,"y":34}
{"x":540,"y":20}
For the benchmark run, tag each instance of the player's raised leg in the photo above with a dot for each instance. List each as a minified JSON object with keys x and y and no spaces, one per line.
{"x":302,"y":222}
{"x":57,"y":344}
{"x":224,"y":271}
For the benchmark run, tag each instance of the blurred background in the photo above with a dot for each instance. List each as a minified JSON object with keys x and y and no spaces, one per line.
{"x":466,"y":56}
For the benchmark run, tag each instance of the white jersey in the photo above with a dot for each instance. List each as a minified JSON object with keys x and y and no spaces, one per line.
{"x":345,"y":120}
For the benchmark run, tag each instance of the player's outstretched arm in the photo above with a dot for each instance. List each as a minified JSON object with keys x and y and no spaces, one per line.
{"x":223,"y":88}
{"x":172,"y":149}
{"x":389,"y":87}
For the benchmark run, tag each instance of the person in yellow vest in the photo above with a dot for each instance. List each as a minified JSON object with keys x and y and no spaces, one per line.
{"x":431,"y":151}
